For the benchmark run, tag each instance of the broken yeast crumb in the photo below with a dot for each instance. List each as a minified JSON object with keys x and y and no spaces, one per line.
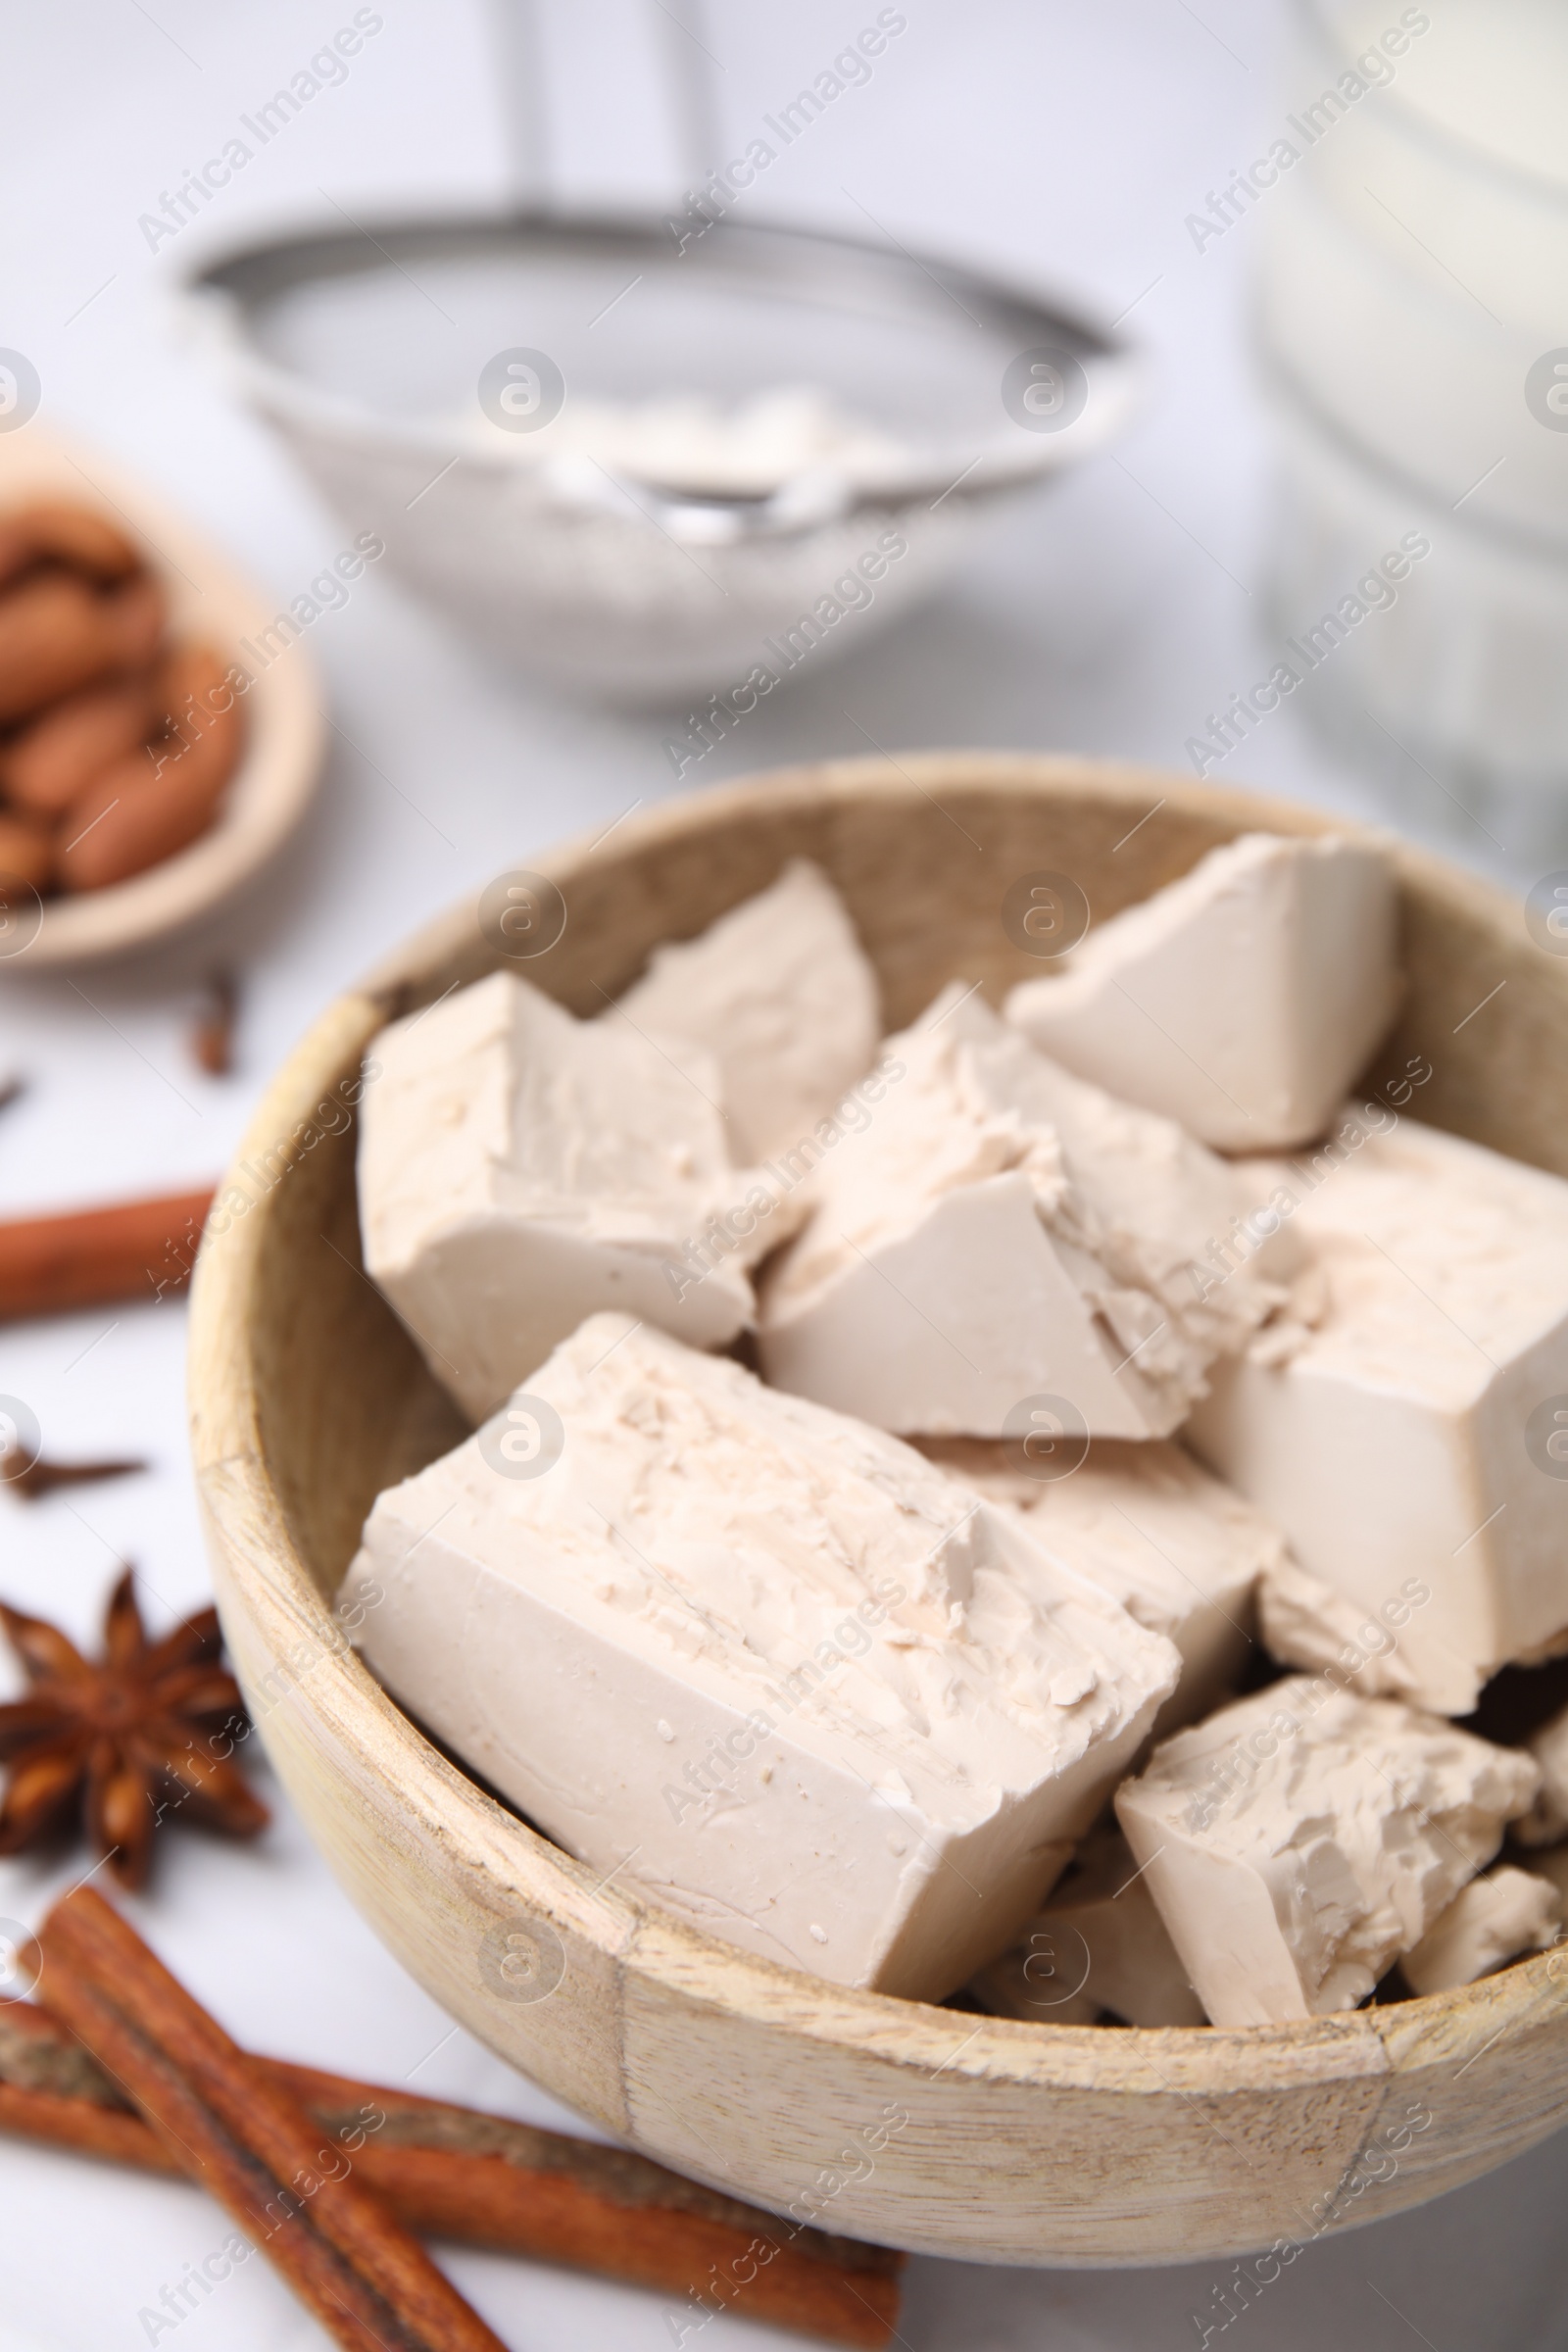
{"x":1177,"y":1549}
{"x":1001,"y":1231}
{"x":1550,"y":1865}
{"x":1304,"y":1837}
{"x":1099,"y":1941}
{"x":1547,"y":1822}
{"x":1306,"y":1621}
{"x":766,"y":1665}
{"x":1495,"y":1919}
{"x":1392,"y":1445}
{"x":1027,"y":1983}
{"x":1240,"y":1001}
{"x":782,"y":995}
{"x":519,"y":1170}
{"x":1004,"y":1990}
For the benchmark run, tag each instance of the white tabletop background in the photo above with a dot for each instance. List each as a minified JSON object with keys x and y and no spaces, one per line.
{"x":1057,"y":144}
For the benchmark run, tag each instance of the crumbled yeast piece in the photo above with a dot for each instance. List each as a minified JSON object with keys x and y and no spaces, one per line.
{"x":520,"y":1169}
{"x":1099,"y":1944}
{"x":1028,"y":1983}
{"x":1397,"y":1447}
{"x":766,"y":1665}
{"x":1240,"y":1001}
{"x":1306,"y":1621}
{"x":1178,"y":1549}
{"x":1550,"y":1864}
{"x":1301,"y":1839}
{"x":782,"y":995}
{"x":1496,"y":1918}
{"x":1547,"y":1822}
{"x":1001,"y":1231}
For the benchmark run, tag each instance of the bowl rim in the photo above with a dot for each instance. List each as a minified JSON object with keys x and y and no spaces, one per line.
{"x":243,"y":1509}
{"x":220,"y":287}
{"x":281,"y":763}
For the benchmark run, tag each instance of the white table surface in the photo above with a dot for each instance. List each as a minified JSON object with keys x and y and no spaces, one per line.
{"x":1061,"y":144}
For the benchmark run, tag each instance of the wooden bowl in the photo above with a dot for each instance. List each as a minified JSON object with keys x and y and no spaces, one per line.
{"x":282,"y":755}
{"x":926,"y":2128}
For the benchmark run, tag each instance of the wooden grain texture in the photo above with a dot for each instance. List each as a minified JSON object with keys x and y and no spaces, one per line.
{"x":999,"y":2140}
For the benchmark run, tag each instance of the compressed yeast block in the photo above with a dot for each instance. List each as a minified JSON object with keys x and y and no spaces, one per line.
{"x":1155,"y":1530}
{"x":1000,"y":1233}
{"x":1304,"y":1622}
{"x":1547,"y":1822}
{"x":1304,"y":1837}
{"x":519,"y":1170}
{"x":782,"y":995}
{"x":770,"y":1667}
{"x":1099,"y":1946}
{"x":1497,"y":1917}
{"x":1240,"y":1001}
{"x":1402,"y":1442}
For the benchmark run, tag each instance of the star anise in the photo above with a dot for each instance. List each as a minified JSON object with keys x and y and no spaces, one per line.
{"x":146,"y":1732}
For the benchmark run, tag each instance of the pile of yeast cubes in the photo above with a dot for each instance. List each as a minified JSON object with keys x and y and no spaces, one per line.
{"x":905,"y":1463}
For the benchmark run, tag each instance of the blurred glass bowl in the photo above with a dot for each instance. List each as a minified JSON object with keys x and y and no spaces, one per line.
{"x":493,"y":396}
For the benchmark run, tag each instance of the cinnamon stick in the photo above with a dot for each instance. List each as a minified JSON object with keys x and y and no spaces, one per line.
{"x":479,"y":2180}
{"x":97,"y":1256}
{"x":237,"y":2131}
{"x":85,"y":2127}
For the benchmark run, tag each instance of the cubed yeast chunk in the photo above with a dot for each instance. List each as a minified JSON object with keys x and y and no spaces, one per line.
{"x":1240,"y":1001}
{"x":999,"y":1232}
{"x":1304,"y":1837}
{"x":1402,"y":1443}
{"x":1099,"y":1944}
{"x":1551,"y":1864}
{"x":1496,"y":1918}
{"x":782,"y":995}
{"x":769,"y":1666}
{"x":1153,"y":1530}
{"x":1306,"y":1621}
{"x":520,"y":1169}
{"x":1547,"y":1822}
{"x":1023,"y":1983}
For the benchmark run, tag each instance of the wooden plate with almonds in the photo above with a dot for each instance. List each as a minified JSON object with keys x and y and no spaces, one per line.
{"x":160,"y":737}
{"x":923,"y":2127}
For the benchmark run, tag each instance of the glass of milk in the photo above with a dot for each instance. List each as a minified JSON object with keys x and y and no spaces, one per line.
{"x":1412,"y":310}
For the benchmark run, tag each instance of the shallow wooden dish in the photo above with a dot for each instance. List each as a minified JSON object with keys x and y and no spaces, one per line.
{"x":281,"y":762}
{"x":1020,"y":2142}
